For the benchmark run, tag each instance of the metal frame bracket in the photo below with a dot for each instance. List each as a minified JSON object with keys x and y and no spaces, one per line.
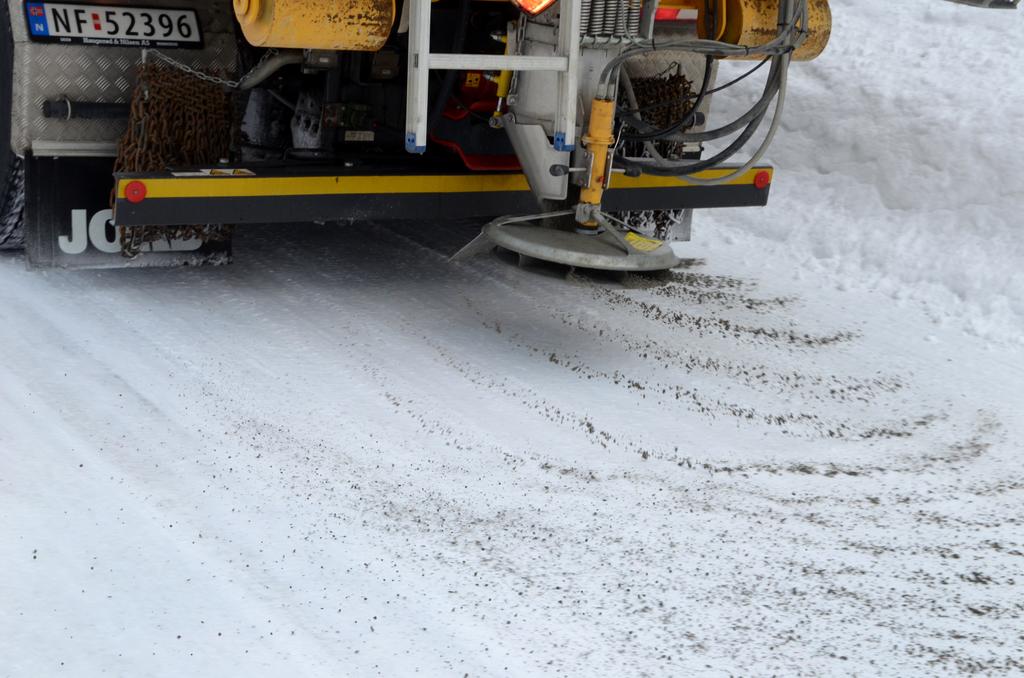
{"x":422,"y":61}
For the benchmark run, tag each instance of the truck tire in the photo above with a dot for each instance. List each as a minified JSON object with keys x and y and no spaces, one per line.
{"x":12,"y":168}
{"x":12,"y":206}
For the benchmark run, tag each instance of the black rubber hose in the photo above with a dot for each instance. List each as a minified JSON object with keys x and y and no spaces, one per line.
{"x":771,"y":87}
{"x":720,"y":88}
{"x":681,"y":170}
{"x":758,"y":109}
{"x":448,"y":82}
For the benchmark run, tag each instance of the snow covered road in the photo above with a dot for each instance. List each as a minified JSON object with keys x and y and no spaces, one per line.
{"x":342,"y":456}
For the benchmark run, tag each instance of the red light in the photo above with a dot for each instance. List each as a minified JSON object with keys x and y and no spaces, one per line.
{"x":533,"y":7}
{"x":675,"y":14}
{"x":762,"y":179}
{"x":135,"y":192}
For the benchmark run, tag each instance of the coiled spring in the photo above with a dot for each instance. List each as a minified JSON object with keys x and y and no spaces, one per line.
{"x":610,"y":20}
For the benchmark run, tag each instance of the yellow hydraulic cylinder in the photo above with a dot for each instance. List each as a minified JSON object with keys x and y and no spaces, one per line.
{"x":504,"y":85}
{"x":357,"y":25}
{"x":598,"y":140}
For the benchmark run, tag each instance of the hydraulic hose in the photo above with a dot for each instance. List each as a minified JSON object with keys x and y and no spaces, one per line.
{"x":790,"y":18}
{"x":676,"y":169}
{"x":770,"y":90}
{"x":792,"y":33}
{"x":669,"y":169}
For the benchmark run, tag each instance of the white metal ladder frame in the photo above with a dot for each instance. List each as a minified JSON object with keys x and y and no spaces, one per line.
{"x":422,"y":61}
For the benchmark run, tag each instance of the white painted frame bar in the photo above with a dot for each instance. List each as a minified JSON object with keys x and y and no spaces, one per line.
{"x":497,"y":62}
{"x":569,"y":21}
{"x":418,"y":77}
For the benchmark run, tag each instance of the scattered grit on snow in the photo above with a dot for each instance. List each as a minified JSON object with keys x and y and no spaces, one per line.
{"x":900,"y":163}
{"x":341,"y":456}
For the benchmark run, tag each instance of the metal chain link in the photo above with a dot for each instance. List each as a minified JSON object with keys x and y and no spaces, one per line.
{"x":663,"y":98}
{"x":202,"y":75}
{"x":177,"y":119}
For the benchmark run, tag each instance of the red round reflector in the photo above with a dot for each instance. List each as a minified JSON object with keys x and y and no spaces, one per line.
{"x":762,"y":179}
{"x":135,"y":192}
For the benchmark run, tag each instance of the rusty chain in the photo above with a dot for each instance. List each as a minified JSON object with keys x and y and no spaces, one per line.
{"x":664,"y":100}
{"x":176,"y":120}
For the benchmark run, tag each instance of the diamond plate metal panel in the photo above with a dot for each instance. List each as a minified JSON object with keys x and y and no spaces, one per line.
{"x":93,"y":73}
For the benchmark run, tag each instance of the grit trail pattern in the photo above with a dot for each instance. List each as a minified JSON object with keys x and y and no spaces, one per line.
{"x":637,"y":344}
{"x":381,"y":448}
{"x":632,"y":583}
{"x":963,"y":648}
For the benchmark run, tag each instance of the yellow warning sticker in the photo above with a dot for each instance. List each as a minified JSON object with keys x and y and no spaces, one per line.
{"x":642,"y":244}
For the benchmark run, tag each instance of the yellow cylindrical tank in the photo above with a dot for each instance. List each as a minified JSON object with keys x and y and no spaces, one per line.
{"x":357,"y":25}
{"x":755,"y":22}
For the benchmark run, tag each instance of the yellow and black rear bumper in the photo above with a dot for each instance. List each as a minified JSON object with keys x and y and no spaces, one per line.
{"x":240,"y":196}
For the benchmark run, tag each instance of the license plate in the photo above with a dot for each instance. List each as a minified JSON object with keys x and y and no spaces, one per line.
{"x":112,"y":25}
